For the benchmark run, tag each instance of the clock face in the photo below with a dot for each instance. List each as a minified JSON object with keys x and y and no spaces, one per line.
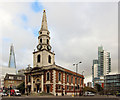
{"x":49,"y":47}
{"x":39,"y":46}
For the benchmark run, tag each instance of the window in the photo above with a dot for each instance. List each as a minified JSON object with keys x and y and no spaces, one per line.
{"x":37,"y":80}
{"x":75,"y":80}
{"x":48,"y":76}
{"x":67,"y":87}
{"x":29,"y":78}
{"x":72,"y":88}
{"x":67,"y":78}
{"x":59,"y":87}
{"x":71,"y":79}
{"x":40,"y":40}
{"x":59,"y":76}
{"x":47,"y":41}
{"x":38,"y":58}
{"x":19,"y":78}
{"x":49,"y":59}
{"x":10,"y":77}
{"x":78,"y":81}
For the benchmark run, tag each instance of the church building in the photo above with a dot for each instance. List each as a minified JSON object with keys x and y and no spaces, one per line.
{"x":46,"y":76}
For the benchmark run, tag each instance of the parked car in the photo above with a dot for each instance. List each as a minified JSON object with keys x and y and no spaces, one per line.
{"x":118,"y":94}
{"x":17,"y":92}
{"x":4,"y":94}
{"x":89,"y":94}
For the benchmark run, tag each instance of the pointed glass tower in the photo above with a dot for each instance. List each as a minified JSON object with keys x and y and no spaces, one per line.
{"x":12,"y":63}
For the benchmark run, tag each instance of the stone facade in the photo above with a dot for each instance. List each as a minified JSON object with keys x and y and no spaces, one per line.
{"x":46,"y":76}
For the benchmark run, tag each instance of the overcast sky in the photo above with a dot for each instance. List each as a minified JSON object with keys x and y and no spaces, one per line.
{"x":76,"y":31}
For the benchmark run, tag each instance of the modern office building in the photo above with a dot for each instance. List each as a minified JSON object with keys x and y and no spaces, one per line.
{"x":46,"y":76}
{"x":101,"y":67}
{"x":112,"y":83}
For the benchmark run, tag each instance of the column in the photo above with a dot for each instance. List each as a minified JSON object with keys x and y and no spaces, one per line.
{"x":25,"y":83}
{"x":42,"y":83}
{"x":32,"y":84}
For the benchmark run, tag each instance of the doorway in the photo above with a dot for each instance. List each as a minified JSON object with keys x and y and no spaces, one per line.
{"x":38,"y":86}
{"x":48,"y":89}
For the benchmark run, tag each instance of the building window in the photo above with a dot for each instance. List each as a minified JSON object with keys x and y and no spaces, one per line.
{"x":48,"y":76}
{"x":71,"y":79}
{"x":67,"y":87}
{"x":10,"y":77}
{"x":49,"y":59}
{"x":38,"y":58}
{"x":78,"y":81}
{"x":72,"y":88}
{"x":75,"y":80}
{"x":47,"y":41}
{"x":59,"y":87}
{"x":67,"y":78}
{"x":59,"y":76}
{"x":37,"y":80}
{"x":29,"y":78}
{"x":40,"y":40}
{"x":19,"y":78}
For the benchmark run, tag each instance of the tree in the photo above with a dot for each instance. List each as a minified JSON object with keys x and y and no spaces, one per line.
{"x":21,"y":87}
{"x":99,"y":88}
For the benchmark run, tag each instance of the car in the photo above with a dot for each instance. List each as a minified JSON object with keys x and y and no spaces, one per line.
{"x":118,"y":94}
{"x":89,"y":94}
{"x":4,"y":94}
{"x":17,"y":92}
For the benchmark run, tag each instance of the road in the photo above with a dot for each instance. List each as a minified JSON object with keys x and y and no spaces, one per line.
{"x":60,"y":97}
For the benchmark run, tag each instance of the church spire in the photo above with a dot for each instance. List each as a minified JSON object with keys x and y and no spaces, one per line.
{"x":44,"y":22}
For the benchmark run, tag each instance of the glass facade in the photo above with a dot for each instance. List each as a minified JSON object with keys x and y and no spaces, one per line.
{"x":112,"y":82}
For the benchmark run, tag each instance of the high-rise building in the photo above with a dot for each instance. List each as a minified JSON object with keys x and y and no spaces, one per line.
{"x":12,"y":63}
{"x":102,"y":66}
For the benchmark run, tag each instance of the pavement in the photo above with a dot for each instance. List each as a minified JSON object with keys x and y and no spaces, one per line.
{"x":61,"y":97}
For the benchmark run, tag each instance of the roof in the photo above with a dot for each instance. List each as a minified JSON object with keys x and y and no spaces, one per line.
{"x":36,"y":69}
{"x":7,"y":77}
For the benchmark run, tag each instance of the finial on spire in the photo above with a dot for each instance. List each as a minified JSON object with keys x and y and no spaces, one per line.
{"x":43,"y":10}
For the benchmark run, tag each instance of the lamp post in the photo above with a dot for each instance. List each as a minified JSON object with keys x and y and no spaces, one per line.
{"x":76,"y":76}
{"x":82,"y":82}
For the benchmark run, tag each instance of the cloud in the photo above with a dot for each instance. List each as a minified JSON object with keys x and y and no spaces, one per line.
{"x":37,"y":7}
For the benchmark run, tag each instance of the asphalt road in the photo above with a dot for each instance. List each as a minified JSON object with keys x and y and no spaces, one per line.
{"x":60,"y":98}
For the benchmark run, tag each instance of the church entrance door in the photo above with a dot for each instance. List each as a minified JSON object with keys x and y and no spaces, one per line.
{"x":48,"y":89}
{"x":38,"y":86}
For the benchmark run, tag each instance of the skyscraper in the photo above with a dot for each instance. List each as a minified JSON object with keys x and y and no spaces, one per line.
{"x":12,"y":63}
{"x":102,"y":66}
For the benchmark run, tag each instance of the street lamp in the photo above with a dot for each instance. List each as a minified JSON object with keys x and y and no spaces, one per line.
{"x":76,"y":76}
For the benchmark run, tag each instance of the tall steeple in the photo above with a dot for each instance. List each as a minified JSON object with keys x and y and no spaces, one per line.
{"x":44,"y":22}
{"x":12,"y":63}
{"x":44,"y":39}
{"x":43,"y":56}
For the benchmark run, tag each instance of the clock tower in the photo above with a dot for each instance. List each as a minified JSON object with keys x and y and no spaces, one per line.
{"x":43,"y":56}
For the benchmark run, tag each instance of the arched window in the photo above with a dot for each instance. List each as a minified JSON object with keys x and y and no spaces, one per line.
{"x":48,"y":76}
{"x":49,"y":59}
{"x":47,"y":41}
{"x":38,"y":58}
{"x":40,"y":40}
